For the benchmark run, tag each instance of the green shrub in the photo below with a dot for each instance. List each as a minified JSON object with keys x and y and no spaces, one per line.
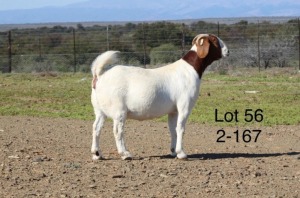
{"x":166,"y":53}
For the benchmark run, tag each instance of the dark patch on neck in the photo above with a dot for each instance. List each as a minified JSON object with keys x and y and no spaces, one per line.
{"x":198,"y":63}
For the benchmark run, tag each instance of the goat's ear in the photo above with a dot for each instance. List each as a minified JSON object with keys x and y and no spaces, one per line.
{"x":202,"y":47}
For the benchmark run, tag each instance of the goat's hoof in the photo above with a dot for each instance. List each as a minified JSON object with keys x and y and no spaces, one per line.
{"x":182,"y":159}
{"x":97,"y":156}
{"x":126,"y":156}
{"x":173,"y":153}
{"x":182,"y":156}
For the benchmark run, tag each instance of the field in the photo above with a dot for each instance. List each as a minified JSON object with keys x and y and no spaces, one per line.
{"x":276,"y":92}
{"x":45,"y":139}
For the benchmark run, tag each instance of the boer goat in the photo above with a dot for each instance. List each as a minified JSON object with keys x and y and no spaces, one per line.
{"x":120,"y":92}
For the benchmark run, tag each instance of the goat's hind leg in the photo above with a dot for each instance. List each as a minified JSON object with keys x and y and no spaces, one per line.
{"x":119,"y":137}
{"x":172,"y":121}
{"x":98,"y":124}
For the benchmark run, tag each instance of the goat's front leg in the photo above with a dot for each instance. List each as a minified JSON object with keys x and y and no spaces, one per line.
{"x":118,"y":130}
{"x":179,"y":148}
{"x":172,"y":120}
{"x":98,"y":124}
{"x":180,"y":128}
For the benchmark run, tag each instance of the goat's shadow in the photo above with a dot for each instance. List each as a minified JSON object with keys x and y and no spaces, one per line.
{"x":214,"y":156}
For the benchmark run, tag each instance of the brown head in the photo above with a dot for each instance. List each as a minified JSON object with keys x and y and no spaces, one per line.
{"x":206,"y":49}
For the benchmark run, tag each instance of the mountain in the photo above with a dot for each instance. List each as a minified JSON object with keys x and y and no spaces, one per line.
{"x":145,"y":10}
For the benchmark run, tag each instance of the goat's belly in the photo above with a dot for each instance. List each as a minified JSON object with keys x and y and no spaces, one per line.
{"x":154,"y":110}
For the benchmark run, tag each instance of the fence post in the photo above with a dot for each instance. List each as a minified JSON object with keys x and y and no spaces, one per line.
{"x":9,"y":53}
{"x":74,"y":50}
{"x":40,"y":48}
{"x":218,"y":29}
{"x":107,"y":39}
{"x":299,"y":42}
{"x":258,"y":46}
{"x":144,"y":44}
{"x":183,"y":39}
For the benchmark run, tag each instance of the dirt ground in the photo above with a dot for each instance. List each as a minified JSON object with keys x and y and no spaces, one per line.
{"x":43,"y":157}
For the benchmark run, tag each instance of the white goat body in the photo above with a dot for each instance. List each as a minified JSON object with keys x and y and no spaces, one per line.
{"x":145,"y":93}
{"x":122,"y":92}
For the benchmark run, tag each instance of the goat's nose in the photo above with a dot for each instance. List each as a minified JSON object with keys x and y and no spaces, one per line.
{"x":225,"y":52}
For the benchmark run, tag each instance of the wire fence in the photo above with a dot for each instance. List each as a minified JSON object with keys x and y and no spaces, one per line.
{"x":261,"y":44}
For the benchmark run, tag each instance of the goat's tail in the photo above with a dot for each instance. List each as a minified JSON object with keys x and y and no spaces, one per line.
{"x":102,"y":61}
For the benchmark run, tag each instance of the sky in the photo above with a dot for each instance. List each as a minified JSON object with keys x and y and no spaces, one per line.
{"x":30,"y":4}
{"x":44,"y":11}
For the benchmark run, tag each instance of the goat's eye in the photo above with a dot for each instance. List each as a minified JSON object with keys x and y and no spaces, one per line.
{"x":214,"y":40}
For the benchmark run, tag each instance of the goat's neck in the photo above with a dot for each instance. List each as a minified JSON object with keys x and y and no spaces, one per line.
{"x":199,"y":64}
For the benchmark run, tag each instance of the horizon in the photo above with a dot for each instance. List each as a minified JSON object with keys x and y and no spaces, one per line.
{"x":227,"y":21}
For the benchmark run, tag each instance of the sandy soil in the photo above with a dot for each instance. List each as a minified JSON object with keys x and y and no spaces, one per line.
{"x":43,"y":157}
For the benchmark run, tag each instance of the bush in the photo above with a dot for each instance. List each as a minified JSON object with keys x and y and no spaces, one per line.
{"x":166,"y":53}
